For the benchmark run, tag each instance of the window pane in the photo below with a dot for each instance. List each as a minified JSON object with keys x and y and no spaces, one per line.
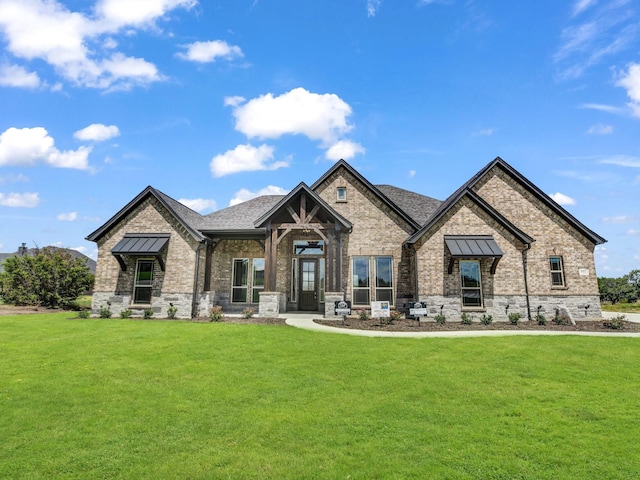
{"x":471,"y":298}
{"x":308,"y":247}
{"x":294,"y":280}
{"x":361,"y":272}
{"x":557,"y":274}
{"x":144,"y":275}
{"x":142,"y":295}
{"x":321,"y":280}
{"x":258,"y":272}
{"x":384,"y":295}
{"x":556,"y":279}
{"x":470,"y":272}
{"x":240,"y":270}
{"x":239,"y":295}
{"x":384,"y":272}
{"x":361,"y":296}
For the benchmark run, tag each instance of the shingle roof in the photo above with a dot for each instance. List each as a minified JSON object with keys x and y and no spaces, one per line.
{"x":241,"y":216}
{"x":417,"y":206}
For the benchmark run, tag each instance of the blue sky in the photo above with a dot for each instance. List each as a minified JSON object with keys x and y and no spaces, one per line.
{"x":214,"y":102}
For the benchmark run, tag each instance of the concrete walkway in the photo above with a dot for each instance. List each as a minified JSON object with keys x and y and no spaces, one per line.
{"x":305,"y":321}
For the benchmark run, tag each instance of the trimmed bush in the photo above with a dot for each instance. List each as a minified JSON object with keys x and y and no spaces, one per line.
{"x":104,"y":312}
{"x":514,"y":317}
{"x":615,"y":323}
{"x":541,"y":319}
{"x":171,"y":312}
{"x":84,"y":314}
{"x":486,"y":319}
{"x":126,"y":313}
{"x":466,"y":319}
{"x":440,"y":319}
{"x":215,"y":313}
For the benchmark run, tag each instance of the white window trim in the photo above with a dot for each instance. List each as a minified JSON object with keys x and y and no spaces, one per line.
{"x":342,"y":198}
{"x":560,"y":271}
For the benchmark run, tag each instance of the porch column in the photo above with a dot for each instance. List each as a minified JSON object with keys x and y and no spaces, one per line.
{"x":271,"y":259}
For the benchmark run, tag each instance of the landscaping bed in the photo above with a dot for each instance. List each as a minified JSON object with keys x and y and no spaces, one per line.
{"x":407,"y":325}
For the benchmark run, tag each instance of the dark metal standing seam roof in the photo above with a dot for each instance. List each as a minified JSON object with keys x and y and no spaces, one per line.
{"x":475,"y":246}
{"x":140,"y":244}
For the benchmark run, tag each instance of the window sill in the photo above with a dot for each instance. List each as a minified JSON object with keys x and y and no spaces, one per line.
{"x":558,"y":287}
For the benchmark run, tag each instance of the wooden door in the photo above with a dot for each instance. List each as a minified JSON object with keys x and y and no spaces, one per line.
{"x":308,"y":284}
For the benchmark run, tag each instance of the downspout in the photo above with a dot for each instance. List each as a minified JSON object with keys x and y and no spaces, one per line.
{"x":526,"y":283}
{"x":194,"y":303}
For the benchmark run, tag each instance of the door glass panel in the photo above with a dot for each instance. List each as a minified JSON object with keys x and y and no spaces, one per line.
{"x":308,"y":276}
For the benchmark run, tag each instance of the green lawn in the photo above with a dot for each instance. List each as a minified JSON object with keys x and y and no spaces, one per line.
{"x":622,"y":307}
{"x":158,"y":399}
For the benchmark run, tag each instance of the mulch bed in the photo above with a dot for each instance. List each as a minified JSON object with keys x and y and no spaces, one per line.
{"x":252,"y":320}
{"x":407,"y":325}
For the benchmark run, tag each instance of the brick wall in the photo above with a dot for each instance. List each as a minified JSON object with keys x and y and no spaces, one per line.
{"x":377,"y":230}
{"x":175,"y":283}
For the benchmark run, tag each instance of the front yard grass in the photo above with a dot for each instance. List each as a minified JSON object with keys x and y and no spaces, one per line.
{"x":159,"y":399}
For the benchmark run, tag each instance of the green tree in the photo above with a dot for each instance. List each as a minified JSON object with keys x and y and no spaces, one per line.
{"x":615,"y":290}
{"x":50,"y":277}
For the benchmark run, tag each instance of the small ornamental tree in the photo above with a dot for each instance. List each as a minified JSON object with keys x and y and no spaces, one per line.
{"x":50,"y":277}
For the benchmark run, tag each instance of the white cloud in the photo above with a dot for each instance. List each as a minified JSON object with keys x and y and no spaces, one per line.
{"x":243,"y":195}
{"x":602,"y":108}
{"x":297,"y":112}
{"x":620,"y":219}
{"x":119,"y":13}
{"x":245,"y":158}
{"x":344,"y":149}
{"x":79,"y":46}
{"x":633,"y":231}
{"x":486,"y":132}
{"x":29,"y":146}
{"x":600,"y":129}
{"x":582,"y":5}
{"x":206,"y":52}
{"x":372,"y":7}
{"x":27,"y":200}
{"x":631,"y":82}
{"x":622,"y":161}
{"x":97,"y":132}
{"x":603,"y":31}
{"x":233,"y":101}
{"x":199,"y":204}
{"x":412,"y":173}
{"x":562,"y":199}
{"x":68,"y":217}
{"x":17,"y":76}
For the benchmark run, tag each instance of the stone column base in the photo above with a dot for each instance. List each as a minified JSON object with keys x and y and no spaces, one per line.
{"x":269,"y":305}
{"x":329,"y":302}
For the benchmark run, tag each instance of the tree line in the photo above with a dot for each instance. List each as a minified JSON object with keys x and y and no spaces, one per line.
{"x":625,"y":289}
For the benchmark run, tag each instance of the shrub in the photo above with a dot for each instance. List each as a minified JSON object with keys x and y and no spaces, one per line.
{"x":486,"y":319}
{"x":541,"y":319}
{"x":84,"y":314}
{"x":49,"y":277}
{"x":148,"y":313}
{"x":362,"y":314}
{"x":104,"y":312}
{"x":615,"y":323}
{"x":247,"y":312}
{"x":126,"y":313}
{"x":215,"y":313}
{"x":171,"y":312}
{"x":466,"y":319}
{"x":561,"y":319}
{"x":395,"y":315}
{"x":440,"y":319}
{"x":514,"y":317}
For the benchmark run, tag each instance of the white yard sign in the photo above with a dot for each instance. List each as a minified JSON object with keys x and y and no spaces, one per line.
{"x":380,"y":310}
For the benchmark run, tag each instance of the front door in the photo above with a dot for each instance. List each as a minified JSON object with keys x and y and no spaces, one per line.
{"x":308,"y":284}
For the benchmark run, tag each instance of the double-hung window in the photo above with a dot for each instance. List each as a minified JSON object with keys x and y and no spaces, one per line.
{"x":471,"y":283}
{"x":240,"y":280}
{"x":361,"y":282}
{"x":557,"y":271}
{"x":384,"y":279}
{"x":380,"y":287}
{"x":143,"y":283}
